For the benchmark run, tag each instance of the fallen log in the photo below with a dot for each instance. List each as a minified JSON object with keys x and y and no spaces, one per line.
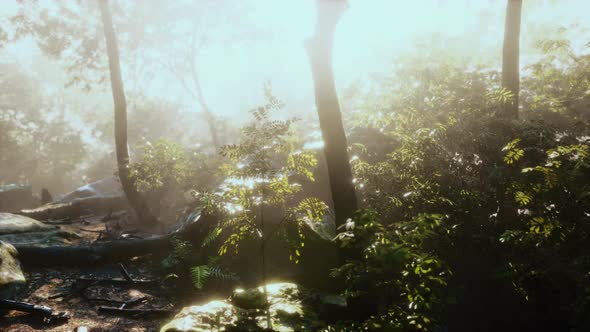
{"x":103,"y":252}
{"x":108,"y":251}
{"x":48,"y":314}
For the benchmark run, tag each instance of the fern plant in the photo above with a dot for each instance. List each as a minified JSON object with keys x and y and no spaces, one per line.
{"x":182,"y":262}
{"x":201,"y":274}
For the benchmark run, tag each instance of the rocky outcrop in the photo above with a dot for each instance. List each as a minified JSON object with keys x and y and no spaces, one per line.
{"x":17,"y":229}
{"x":103,"y":196}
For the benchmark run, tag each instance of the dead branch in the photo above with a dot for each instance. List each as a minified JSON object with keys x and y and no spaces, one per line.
{"x":124,"y":273}
{"x":48,"y":314}
{"x":136,"y":312}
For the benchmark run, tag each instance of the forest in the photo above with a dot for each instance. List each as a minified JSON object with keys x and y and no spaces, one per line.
{"x":281,"y":165}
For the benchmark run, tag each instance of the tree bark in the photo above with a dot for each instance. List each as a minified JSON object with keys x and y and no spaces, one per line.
{"x":133,"y":196}
{"x":510,"y":56}
{"x":319,"y":49}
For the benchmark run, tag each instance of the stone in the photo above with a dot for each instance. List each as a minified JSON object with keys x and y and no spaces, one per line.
{"x":14,"y":223}
{"x":107,"y":187}
{"x":11,"y":275}
{"x":17,"y":229}
{"x":245,"y":311}
{"x":49,"y":238}
{"x":249,"y":299}
{"x":207,"y":317}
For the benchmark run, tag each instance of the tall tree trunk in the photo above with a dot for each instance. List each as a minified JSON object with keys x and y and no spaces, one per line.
{"x":319,"y":49}
{"x":510,"y":55}
{"x":134,"y":197}
{"x":209,"y":116}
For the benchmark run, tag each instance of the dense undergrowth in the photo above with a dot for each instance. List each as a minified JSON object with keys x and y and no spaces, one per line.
{"x":475,"y":221}
{"x":470,"y":220}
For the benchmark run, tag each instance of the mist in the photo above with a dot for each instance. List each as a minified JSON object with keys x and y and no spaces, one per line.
{"x":318,"y":165}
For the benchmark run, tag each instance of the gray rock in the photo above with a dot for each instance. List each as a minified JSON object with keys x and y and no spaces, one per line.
{"x":11,"y":275}
{"x":107,"y":187}
{"x":49,"y":238}
{"x":14,"y":223}
{"x":17,"y":229}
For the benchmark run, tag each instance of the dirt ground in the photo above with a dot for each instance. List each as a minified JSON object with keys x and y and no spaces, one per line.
{"x":45,"y":285}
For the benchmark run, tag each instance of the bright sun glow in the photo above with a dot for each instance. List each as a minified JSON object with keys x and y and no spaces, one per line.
{"x":371,"y":35}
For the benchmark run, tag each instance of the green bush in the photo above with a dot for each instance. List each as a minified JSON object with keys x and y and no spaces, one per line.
{"x":497,"y":208}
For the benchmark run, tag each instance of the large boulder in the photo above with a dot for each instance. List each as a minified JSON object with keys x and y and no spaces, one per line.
{"x":103,"y":196}
{"x":291,"y":308}
{"x":17,"y":229}
{"x":107,"y":187}
{"x":11,"y":275}
{"x":14,"y":223}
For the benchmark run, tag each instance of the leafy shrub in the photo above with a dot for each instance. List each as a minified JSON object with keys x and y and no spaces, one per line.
{"x":263,"y":176}
{"x":397,"y":268}
{"x":498,"y":207}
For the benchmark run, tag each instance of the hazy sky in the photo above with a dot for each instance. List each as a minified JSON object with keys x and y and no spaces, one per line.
{"x":371,"y":35}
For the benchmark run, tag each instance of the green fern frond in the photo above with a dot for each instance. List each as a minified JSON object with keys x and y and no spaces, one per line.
{"x":212,"y":236}
{"x":218,"y":273}
{"x":199,"y":276}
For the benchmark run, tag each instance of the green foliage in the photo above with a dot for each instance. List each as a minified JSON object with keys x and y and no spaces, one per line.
{"x":481,"y":217}
{"x":398,"y":269}
{"x":202,"y":273}
{"x":161,"y":164}
{"x":263,"y":174}
{"x":181,"y":262}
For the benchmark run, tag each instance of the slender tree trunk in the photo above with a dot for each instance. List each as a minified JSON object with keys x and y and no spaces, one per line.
{"x":319,"y":49}
{"x":209,"y":116}
{"x":510,"y":55}
{"x":134,"y":198}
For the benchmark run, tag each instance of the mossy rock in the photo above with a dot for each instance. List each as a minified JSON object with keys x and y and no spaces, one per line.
{"x":14,"y":223}
{"x":11,"y":275}
{"x":247,"y":309}
{"x":17,"y":229}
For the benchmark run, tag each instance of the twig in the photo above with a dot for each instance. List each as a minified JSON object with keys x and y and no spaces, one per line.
{"x":117,"y":280}
{"x":122,"y":303}
{"x":136,"y":312}
{"x":125,"y":273}
{"x":90,"y":230}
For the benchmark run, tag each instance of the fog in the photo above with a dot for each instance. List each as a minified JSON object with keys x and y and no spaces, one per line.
{"x":294,"y":165}
{"x":370,"y":37}
{"x":243,"y":46}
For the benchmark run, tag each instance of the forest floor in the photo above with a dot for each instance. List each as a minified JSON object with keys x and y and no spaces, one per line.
{"x":82,"y":290}
{"x":45,"y":285}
